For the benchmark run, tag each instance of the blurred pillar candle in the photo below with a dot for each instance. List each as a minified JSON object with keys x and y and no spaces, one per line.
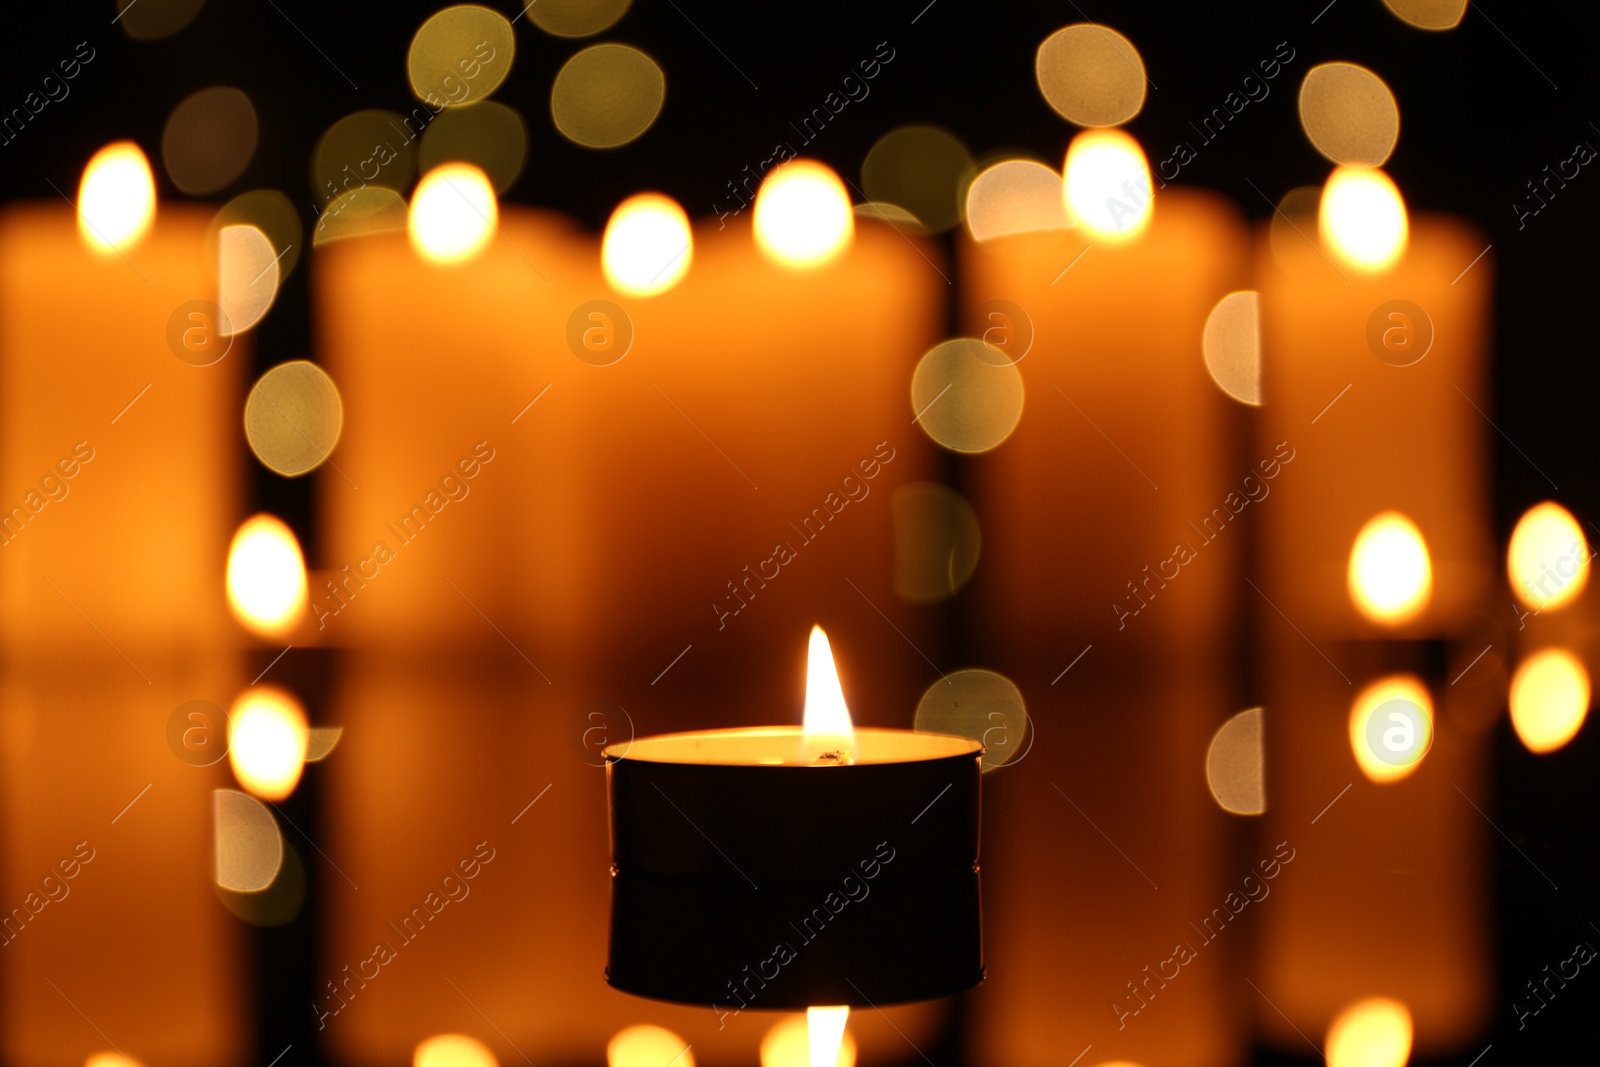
{"x":118,"y":465}
{"x":1376,"y":374}
{"x":587,"y":453}
{"x":1113,"y":612}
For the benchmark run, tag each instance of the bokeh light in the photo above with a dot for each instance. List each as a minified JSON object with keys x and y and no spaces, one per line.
{"x":937,"y":542}
{"x":293,"y":418}
{"x":647,"y":247}
{"x":365,"y":149}
{"x":247,"y":846}
{"x":453,"y":214}
{"x":802,"y":215}
{"x":489,"y":135}
{"x":266,"y":579}
{"x":1429,"y":14}
{"x":648,"y":1046}
{"x":1547,"y":560}
{"x":452,"y":1050}
{"x":1236,"y":763}
{"x":1107,"y":185}
{"x":209,"y":139}
{"x":983,"y":705}
{"x":1015,"y":196}
{"x":923,"y":169}
{"x":1231,"y":346}
{"x":460,"y":55}
{"x":247,"y":276}
{"x":1349,"y":114}
{"x":362,"y":212}
{"x":117,"y":198}
{"x":267,"y":737}
{"x":966,"y":395}
{"x":1375,"y":1032}
{"x":153,"y":20}
{"x":1090,"y":75}
{"x":1363,"y":218}
{"x":1390,"y":575}
{"x":787,"y":1044}
{"x":607,"y":95}
{"x":1549,"y":699}
{"x":576,"y":18}
{"x":269,"y":211}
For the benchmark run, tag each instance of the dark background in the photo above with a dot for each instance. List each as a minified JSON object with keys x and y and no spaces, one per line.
{"x":1484,"y":108}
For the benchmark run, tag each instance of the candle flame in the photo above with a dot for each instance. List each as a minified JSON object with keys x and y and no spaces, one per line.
{"x":648,"y":246}
{"x":452,"y":1050}
{"x":803,"y":217}
{"x":1107,"y":185}
{"x":267,"y":738}
{"x":1391,"y":746}
{"x":117,"y":198}
{"x":1549,"y":699}
{"x":266,"y":577}
{"x":825,"y":1026}
{"x":453,"y":214}
{"x":1391,"y":576}
{"x":1375,"y":1032}
{"x":1548,"y":557}
{"x":1363,"y":217}
{"x":829,"y":737}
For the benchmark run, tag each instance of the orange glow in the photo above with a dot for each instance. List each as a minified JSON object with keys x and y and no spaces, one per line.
{"x":1107,"y":185}
{"x":647,"y":247}
{"x":803,"y":217}
{"x":453,"y":214}
{"x":788,"y":1043}
{"x":829,"y":737}
{"x":117,"y":198}
{"x":1391,"y":727}
{"x":111,"y":1059}
{"x":1391,"y":576}
{"x":266,"y":577}
{"x":1549,"y":699}
{"x":452,"y":1050}
{"x":1363,"y":218}
{"x":648,"y":1046}
{"x":267,"y":736}
{"x":1375,"y":1032}
{"x":1547,"y":560}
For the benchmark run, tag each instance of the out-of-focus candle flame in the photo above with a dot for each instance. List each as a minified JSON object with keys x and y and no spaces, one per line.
{"x":1391,"y":576}
{"x":647,"y":247}
{"x":648,"y":1046}
{"x":788,"y":1044}
{"x":267,"y":736}
{"x":452,"y":1050}
{"x":453,"y":213}
{"x":1548,"y":557}
{"x":117,"y":198}
{"x":803,"y":217}
{"x":266,"y":577}
{"x":1549,"y":699}
{"x":1375,"y":1032}
{"x":829,"y":738}
{"x":1391,"y":727}
{"x":111,"y":1059}
{"x":1107,"y":185}
{"x":825,"y":1030}
{"x":1363,"y":217}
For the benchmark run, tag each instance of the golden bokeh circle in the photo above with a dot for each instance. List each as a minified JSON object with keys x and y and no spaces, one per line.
{"x":1429,"y":14}
{"x":460,"y":55}
{"x":490,"y":136}
{"x":576,"y":18}
{"x":267,"y":210}
{"x":965,"y":396}
{"x":607,"y":95}
{"x":153,"y":20}
{"x":209,"y":139}
{"x":980,"y":704}
{"x":293,"y":417}
{"x":923,"y":169}
{"x":363,"y":149}
{"x":1090,"y":75}
{"x":1349,"y":114}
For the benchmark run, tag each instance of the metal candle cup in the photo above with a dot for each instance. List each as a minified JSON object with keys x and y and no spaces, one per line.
{"x":743,"y":879}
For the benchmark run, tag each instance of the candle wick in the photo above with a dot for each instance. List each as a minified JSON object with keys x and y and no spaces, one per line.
{"x":836,"y":757}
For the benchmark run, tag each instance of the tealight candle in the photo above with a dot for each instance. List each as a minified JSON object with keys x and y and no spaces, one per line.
{"x":752,"y":871}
